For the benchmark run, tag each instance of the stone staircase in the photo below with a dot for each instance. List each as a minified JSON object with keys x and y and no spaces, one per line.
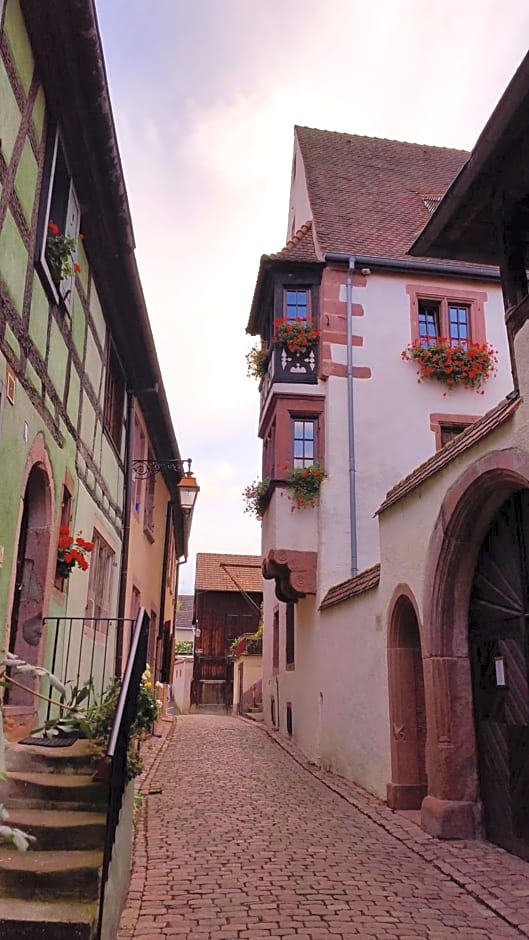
{"x":51,"y":891}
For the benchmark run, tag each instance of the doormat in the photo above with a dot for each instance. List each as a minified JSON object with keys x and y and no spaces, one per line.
{"x":63,"y":739}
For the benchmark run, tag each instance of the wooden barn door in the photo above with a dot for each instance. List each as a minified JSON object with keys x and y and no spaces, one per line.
{"x":499,"y":612}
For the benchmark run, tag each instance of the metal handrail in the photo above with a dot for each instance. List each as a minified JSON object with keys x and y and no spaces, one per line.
{"x":115,"y":762}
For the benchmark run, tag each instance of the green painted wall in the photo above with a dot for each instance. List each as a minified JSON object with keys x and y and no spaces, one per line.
{"x":56,"y":355}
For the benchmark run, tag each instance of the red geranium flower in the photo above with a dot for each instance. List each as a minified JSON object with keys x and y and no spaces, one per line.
{"x":77,"y":268}
{"x":53,"y":228}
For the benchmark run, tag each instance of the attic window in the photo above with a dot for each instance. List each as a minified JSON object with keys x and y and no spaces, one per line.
{"x":431,"y":201}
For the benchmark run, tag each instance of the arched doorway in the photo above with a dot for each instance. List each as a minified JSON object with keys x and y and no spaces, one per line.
{"x":498,"y":641}
{"x":407,"y":708}
{"x":31,"y":576}
{"x":452,"y":809}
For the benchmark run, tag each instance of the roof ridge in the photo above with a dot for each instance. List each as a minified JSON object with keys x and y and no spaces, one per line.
{"x":387,"y":140}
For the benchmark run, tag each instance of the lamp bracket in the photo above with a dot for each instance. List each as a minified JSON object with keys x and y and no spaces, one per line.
{"x":144,"y":469}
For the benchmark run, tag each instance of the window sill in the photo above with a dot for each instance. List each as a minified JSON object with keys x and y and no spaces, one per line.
{"x":149,"y":534}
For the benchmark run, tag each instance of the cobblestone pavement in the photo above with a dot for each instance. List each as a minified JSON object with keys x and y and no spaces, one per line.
{"x":237,"y":839}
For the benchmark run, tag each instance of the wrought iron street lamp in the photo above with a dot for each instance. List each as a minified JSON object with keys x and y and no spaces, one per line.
{"x":188,"y":488}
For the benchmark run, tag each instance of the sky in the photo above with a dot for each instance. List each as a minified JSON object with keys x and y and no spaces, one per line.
{"x":206,"y":94}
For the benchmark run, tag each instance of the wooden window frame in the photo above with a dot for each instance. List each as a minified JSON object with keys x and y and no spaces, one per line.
{"x":99,"y":602}
{"x":290,"y":628}
{"x":445,"y":297}
{"x":438,"y":421}
{"x":299,"y":288}
{"x":138,"y":453}
{"x":315,"y":421}
{"x":149,"y":501}
{"x":65,"y":519}
{"x":69,"y":218}
{"x":114,"y":397}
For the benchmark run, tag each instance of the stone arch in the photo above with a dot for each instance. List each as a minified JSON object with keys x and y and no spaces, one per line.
{"x":451,"y":809}
{"x":406,"y":703}
{"x":33,"y":565}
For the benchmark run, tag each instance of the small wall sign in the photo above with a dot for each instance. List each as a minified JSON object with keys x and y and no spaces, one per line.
{"x":499,"y":664}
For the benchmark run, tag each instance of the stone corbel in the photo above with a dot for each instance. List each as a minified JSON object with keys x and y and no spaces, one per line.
{"x":293,"y":572}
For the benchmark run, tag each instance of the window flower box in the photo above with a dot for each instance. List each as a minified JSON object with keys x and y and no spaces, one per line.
{"x":464,"y":365}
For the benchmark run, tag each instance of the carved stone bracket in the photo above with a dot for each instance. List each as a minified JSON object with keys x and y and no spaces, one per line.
{"x":293,"y":572}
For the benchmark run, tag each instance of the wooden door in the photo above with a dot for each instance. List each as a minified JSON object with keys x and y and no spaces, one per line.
{"x":499,"y":611}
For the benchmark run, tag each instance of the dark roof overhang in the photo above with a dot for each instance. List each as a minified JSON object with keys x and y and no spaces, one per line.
{"x":493,"y":184}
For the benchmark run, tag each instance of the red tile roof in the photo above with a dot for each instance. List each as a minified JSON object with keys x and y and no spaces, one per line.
{"x":213,"y":573}
{"x":368,"y":194}
{"x":364,"y":581}
{"x":486,"y":424}
{"x":300,"y":247}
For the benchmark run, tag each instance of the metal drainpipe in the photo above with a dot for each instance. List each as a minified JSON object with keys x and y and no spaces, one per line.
{"x":126,"y":537}
{"x":351,"y":261}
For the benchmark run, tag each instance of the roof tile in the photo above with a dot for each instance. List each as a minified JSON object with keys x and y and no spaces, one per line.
{"x":367,"y":194}
{"x":300,"y":247}
{"x":212,"y":573}
{"x":364,"y":581}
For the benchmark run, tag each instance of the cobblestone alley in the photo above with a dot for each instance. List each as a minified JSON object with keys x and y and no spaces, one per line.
{"x":238,"y":839}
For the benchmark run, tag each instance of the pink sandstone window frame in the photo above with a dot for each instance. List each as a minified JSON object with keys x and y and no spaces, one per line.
{"x":474,"y":300}
{"x":437,"y":421}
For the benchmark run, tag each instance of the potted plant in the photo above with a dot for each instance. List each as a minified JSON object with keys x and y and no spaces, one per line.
{"x":305,"y":483}
{"x":467,"y":365}
{"x":71,"y":553}
{"x":257,"y":362}
{"x":60,"y":254}
{"x":255,"y":496}
{"x":296,"y":336}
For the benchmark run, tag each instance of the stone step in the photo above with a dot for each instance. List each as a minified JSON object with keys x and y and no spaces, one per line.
{"x":60,"y":829}
{"x":45,"y":920}
{"x":78,"y":758}
{"x":46,"y":876}
{"x":53,"y":791}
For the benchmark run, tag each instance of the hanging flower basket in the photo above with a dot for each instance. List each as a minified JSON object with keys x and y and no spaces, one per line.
{"x":255,"y":497}
{"x":465,"y":365}
{"x":305,"y":483}
{"x":257,"y":362}
{"x":297,"y":336}
{"x":71,"y":553}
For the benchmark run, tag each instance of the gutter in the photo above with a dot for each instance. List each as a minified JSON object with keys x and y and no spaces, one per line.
{"x":350,"y":260}
{"x":442,"y":269}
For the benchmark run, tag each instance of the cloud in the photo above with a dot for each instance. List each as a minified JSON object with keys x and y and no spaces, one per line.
{"x":205,"y":98}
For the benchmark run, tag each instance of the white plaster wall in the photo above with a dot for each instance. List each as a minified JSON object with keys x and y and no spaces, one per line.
{"x":284,"y":528}
{"x":391,"y":412}
{"x":299,"y":210}
{"x":252,"y":672}
{"x":339,"y":688}
{"x":181,"y":687}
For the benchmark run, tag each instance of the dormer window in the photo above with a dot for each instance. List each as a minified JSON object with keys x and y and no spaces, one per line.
{"x":296,"y":304}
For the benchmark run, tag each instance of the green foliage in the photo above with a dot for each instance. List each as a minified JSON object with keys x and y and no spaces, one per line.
{"x":257,"y":362}
{"x":184,"y":647}
{"x":305,"y":483}
{"x":253,"y":640}
{"x":255,"y":497}
{"x":60,"y":254}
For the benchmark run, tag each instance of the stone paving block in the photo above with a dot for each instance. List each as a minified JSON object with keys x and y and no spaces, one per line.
{"x":247,"y":841}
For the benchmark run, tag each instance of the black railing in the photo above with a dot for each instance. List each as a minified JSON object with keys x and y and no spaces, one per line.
{"x":114,"y":771}
{"x":284,"y":366}
{"x":82,"y":648}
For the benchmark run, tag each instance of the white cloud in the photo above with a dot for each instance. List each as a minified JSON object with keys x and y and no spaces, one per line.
{"x":208,"y":182}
